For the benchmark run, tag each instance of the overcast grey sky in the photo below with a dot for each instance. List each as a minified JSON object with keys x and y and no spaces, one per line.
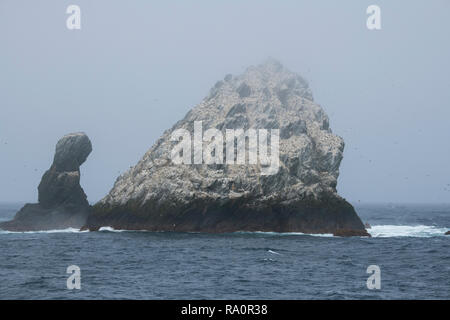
{"x":136,"y":67}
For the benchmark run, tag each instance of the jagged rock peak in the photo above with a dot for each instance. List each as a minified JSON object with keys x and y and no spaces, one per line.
{"x":269,"y":79}
{"x":299,"y":194}
{"x":267,"y":96}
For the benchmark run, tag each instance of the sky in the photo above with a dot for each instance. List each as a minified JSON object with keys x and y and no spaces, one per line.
{"x":136,"y":67}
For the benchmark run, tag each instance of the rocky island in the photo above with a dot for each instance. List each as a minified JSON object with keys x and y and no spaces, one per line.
{"x":62,"y":201}
{"x":159,"y":194}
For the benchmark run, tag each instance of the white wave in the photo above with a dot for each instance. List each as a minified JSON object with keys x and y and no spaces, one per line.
{"x":274,"y":252}
{"x":269,"y":233}
{"x":386,"y":231}
{"x":110,"y":229}
{"x":68,"y":230}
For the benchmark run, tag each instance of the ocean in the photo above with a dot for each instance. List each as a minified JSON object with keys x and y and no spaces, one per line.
{"x":408,"y":246}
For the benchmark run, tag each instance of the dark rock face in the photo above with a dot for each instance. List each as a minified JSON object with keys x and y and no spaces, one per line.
{"x":447,"y":233}
{"x":299,"y":196}
{"x":62,"y":201}
{"x":60,"y":185}
{"x":335,"y":216}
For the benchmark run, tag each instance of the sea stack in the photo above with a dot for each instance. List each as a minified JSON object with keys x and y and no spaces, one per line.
{"x":300,"y":195}
{"x":62,"y":201}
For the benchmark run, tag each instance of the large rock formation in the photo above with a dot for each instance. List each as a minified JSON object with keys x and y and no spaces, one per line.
{"x":299,"y":195}
{"x":62,"y":201}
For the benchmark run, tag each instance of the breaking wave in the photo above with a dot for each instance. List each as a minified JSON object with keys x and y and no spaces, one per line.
{"x":268,"y":233}
{"x":421,"y":231}
{"x":110,"y":229}
{"x":381,"y":231}
{"x":68,"y":230}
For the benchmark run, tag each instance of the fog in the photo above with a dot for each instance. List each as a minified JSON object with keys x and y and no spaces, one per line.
{"x":137,"y":67}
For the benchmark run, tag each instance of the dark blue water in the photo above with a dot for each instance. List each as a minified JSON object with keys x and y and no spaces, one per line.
{"x":408,"y":246}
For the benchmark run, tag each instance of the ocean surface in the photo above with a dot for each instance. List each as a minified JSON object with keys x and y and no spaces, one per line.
{"x":408,"y":245}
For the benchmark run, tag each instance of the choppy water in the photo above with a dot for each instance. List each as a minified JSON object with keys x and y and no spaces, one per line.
{"x":408,"y":245}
